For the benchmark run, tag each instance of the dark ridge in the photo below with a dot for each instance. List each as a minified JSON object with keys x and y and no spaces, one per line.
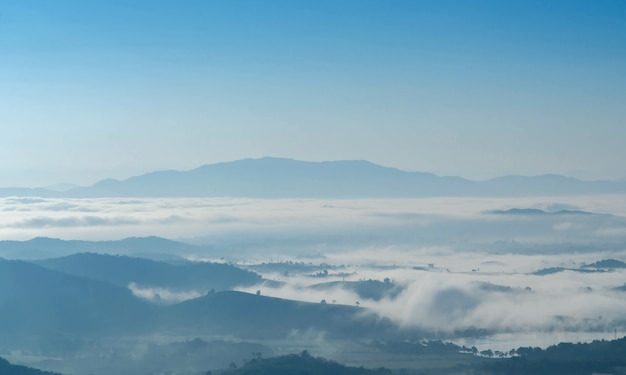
{"x":535,"y":211}
{"x":302,"y":363}
{"x":367,"y":289}
{"x":38,"y":300}
{"x":7,"y":368}
{"x":44,"y":247}
{"x":551,"y":270}
{"x":606,"y":263}
{"x":123,"y":270}
{"x":489,"y":287}
{"x":598,"y":357}
{"x":256,"y":316}
{"x":288,"y":178}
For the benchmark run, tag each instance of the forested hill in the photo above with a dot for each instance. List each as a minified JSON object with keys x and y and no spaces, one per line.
{"x":122,"y":270}
{"x":44,"y":247}
{"x":598,"y":357}
{"x":7,"y":368}
{"x":37,"y":300}
{"x":303,"y":363}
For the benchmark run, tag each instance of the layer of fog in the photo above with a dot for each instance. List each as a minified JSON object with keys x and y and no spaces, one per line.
{"x":246,"y":227}
{"x":460,"y":292}
{"x":468,"y":246}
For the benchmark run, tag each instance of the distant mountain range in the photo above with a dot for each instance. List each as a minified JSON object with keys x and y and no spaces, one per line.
{"x":535,"y":211}
{"x":287,"y":178}
{"x":148,"y":247}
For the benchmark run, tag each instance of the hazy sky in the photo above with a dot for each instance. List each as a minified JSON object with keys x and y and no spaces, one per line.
{"x":95,"y":89}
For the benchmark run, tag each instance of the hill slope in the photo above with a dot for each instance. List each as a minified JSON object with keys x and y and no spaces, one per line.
{"x":8,"y":369}
{"x":38,"y":300}
{"x":123,"y":270}
{"x":43,"y":247}
{"x":255,"y":316}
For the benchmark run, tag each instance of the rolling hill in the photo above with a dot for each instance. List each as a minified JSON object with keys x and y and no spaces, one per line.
{"x":123,"y":270}
{"x":37,"y":300}
{"x":7,"y":368}
{"x":43,"y":247}
{"x":247,"y":315}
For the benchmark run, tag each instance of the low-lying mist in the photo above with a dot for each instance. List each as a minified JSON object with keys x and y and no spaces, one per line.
{"x":450,"y":292}
{"x":248,"y":227}
{"x":442,"y":265}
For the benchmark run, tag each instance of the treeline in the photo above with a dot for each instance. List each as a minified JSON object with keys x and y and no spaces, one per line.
{"x":422,"y":347}
{"x":607,"y":357}
{"x":302,"y":363}
{"x":7,"y":368}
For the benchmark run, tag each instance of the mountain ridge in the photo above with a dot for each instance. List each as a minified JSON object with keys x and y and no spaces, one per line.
{"x":122,"y":270}
{"x":45,"y":247}
{"x":272,"y":177}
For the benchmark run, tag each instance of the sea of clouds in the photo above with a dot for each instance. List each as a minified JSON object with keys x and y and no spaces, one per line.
{"x":336,"y":222}
{"x":469,"y":247}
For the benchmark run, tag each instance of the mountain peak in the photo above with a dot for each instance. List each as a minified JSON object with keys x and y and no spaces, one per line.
{"x":274,"y":177}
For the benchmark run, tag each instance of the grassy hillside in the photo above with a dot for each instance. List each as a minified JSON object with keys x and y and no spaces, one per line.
{"x":38,"y":300}
{"x":122,"y":270}
{"x":257,"y":316}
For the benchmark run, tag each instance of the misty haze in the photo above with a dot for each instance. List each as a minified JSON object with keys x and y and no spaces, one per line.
{"x":275,"y":187}
{"x":346,"y":279}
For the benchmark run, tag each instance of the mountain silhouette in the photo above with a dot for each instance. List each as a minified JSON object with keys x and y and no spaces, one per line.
{"x":277,"y":178}
{"x":271,"y":177}
{"x":44,"y":247}
{"x":287,"y":178}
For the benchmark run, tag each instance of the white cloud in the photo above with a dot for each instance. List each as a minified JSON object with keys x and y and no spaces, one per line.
{"x":263,"y":228}
{"x":500,"y":295}
{"x":378,"y":239}
{"x":162,"y":295}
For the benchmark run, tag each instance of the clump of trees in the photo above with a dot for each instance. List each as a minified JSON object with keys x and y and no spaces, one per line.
{"x":565,"y":358}
{"x":303,"y":363}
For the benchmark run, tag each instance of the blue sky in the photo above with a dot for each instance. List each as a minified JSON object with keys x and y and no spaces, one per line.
{"x":96,"y":89}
